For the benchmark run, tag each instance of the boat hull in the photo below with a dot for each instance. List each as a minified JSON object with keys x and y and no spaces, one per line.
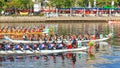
{"x":23,"y":41}
{"x":42,"y":51}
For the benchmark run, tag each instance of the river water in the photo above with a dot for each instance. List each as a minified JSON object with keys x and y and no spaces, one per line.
{"x":71,"y":27}
{"x":107,"y":57}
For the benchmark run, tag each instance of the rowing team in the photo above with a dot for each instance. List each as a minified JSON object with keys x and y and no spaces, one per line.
{"x":40,"y":46}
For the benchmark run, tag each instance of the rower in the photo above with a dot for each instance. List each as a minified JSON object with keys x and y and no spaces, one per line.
{"x":93,"y":37}
{"x":74,"y":42}
{"x":8,"y":47}
{"x":101,"y":35}
{"x":35,"y":46}
{"x":42,"y":46}
{"x":96,"y":33}
{"x":79,"y":43}
{"x":45,"y":38}
{"x":85,"y":38}
{"x":17,"y":47}
{"x":69,"y":45}
{"x":2,"y":46}
{"x":51,"y":46}
{"x":27,"y":47}
{"x":59,"y":45}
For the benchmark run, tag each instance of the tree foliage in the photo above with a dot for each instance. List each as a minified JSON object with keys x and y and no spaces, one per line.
{"x":62,"y":3}
{"x":20,"y":3}
{"x":16,"y":4}
{"x":81,"y":3}
{"x":55,"y":3}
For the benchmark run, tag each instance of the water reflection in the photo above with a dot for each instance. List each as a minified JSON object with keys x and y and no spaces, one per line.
{"x":71,"y":27}
{"x":44,"y":61}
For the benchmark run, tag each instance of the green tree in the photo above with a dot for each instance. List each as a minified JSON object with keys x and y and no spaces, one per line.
{"x":25,"y":3}
{"x":20,"y":3}
{"x":79,"y":3}
{"x":69,"y":3}
{"x":62,"y":3}
{"x":85,"y":3}
{"x":3,"y":5}
{"x":56,"y":3}
{"x":13,"y":3}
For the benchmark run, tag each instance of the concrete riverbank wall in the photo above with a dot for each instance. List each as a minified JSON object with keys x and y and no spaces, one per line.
{"x":14,"y":19}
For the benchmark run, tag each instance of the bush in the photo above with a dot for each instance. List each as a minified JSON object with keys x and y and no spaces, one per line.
{"x":41,"y":14}
{"x":14,"y":15}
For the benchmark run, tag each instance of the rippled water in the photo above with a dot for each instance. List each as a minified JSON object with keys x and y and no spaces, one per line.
{"x":107,"y":57}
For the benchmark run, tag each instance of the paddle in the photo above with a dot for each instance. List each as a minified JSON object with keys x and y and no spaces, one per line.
{"x":30,"y":47}
{"x":22,"y":49}
{"x":39,"y":41}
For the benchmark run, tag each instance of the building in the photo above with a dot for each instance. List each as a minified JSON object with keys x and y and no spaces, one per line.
{"x":42,"y":3}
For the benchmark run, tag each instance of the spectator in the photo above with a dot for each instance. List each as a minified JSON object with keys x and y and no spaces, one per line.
{"x":2,"y":12}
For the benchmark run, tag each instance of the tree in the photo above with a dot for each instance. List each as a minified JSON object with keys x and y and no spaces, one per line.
{"x":3,"y":5}
{"x":56,"y":3}
{"x":20,"y":3}
{"x":118,"y":2}
{"x":85,"y":3}
{"x":13,"y":3}
{"x":62,"y":3}
{"x":69,"y":3}
{"x":79,"y":3}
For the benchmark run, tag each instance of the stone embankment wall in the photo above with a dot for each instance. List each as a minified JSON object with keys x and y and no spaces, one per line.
{"x":5,"y":19}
